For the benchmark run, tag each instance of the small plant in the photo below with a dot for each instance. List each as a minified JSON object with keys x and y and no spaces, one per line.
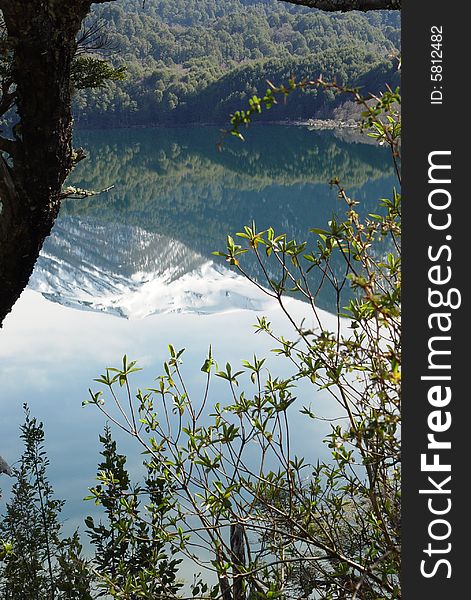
{"x":37,"y":563}
{"x":131,"y":560}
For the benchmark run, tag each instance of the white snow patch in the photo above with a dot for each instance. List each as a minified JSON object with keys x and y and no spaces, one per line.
{"x":128,"y":272}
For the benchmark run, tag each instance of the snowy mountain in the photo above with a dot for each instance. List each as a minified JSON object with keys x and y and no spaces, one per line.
{"x":132,"y":273}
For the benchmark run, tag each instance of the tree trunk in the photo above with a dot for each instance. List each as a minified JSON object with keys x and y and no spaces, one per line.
{"x":41,"y":35}
{"x":238,"y":561}
{"x":224,"y":586}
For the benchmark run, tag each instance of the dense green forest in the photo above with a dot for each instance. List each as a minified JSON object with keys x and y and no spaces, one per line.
{"x":199,"y":60}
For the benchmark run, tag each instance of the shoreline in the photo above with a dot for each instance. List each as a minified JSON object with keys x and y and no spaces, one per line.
{"x":328,"y":124}
{"x":346,"y":130}
{"x":317,"y":124}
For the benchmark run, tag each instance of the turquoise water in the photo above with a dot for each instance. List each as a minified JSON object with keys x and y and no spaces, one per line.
{"x":131,"y":270}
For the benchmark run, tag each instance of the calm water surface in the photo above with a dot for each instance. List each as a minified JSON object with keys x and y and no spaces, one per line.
{"x":132,"y":270}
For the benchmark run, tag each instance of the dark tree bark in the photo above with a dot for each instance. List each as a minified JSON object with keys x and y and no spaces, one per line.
{"x":224,"y":585}
{"x":238,"y":561}
{"x":41,"y":38}
{"x":348,"y":5}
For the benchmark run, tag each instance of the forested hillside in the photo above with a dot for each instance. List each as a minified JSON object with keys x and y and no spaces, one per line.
{"x":199,"y":60}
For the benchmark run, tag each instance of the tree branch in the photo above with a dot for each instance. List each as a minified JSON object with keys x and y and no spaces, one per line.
{"x":79,"y":193}
{"x":348,"y":5}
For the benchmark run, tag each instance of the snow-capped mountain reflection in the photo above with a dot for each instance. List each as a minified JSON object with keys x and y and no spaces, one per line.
{"x":129,"y":272}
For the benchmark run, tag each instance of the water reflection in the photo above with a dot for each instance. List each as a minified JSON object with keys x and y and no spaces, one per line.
{"x":146,"y":246}
{"x":50,"y":355}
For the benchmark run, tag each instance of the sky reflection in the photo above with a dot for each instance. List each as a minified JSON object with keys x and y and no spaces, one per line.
{"x":50,"y":355}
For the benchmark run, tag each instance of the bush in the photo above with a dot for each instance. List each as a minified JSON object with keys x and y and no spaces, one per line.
{"x":290,"y":527}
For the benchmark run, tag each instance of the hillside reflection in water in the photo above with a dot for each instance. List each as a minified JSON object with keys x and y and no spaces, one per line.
{"x":174,"y":200}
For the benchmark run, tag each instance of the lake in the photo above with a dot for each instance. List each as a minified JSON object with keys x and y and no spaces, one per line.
{"x":131,"y":270}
